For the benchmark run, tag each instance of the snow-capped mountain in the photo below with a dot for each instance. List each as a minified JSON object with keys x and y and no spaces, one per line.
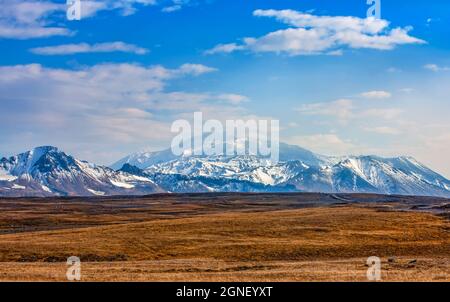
{"x":364,"y":174}
{"x":46,"y":171}
{"x":372,"y":174}
{"x":299,"y":170}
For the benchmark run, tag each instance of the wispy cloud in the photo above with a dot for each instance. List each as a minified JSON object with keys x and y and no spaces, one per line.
{"x":321,"y":143}
{"x":376,"y":94}
{"x":69,"y":49}
{"x":381,"y":113}
{"x":129,"y":7}
{"x":195,"y":69}
{"x":171,"y":9}
{"x":384,"y":130}
{"x":30,"y":19}
{"x":311,"y":35}
{"x":345,"y":110}
{"x":224,"y":48}
{"x":341,"y":109}
{"x":436,"y":68}
{"x":177,"y":5}
{"x":90,"y":8}
{"x":234,"y":99}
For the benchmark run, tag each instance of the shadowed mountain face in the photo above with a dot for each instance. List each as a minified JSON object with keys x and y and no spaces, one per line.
{"x":46,"y":171}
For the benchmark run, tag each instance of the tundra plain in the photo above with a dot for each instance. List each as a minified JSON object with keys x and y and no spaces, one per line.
{"x":226,"y":237}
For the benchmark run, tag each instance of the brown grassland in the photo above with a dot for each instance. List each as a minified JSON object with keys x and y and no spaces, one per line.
{"x":225,"y":237}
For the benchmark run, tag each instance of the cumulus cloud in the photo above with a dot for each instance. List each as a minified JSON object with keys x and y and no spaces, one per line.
{"x":68,"y":49}
{"x":311,"y":35}
{"x":376,"y":94}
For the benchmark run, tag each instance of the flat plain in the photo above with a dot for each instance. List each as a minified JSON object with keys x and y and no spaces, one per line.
{"x":226,"y":237}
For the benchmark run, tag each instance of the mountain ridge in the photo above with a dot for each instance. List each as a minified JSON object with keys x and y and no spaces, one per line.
{"x":47,"y":171}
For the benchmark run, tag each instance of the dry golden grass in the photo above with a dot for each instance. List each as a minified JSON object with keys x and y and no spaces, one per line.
{"x":201,"y":243}
{"x":307,"y":234}
{"x":208,"y":270}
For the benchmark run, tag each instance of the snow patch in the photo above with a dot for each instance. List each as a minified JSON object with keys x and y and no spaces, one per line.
{"x":7,"y":177}
{"x":122,"y":184}
{"x":46,"y":189}
{"x":18,"y":187}
{"x":98,"y":193}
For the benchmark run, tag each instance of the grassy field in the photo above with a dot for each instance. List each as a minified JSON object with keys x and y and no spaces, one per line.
{"x":309,"y":237}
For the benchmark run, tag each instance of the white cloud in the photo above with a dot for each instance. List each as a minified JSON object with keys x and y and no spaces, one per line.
{"x":28,"y":11}
{"x":195,"y":69}
{"x":176,"y":6}
{"x":114,"y":107}
{"x":376,"y":94}
{"x":21,"y":33}
{"x":224,"y":48}
{"x":436,"y":68}
{"x":90,"y":8}
{"x":106,"y":105}
{"x":68,"y":49}
{"x":171,"y":9}
{"x":128,"y":7}
{"x":29,"y":19}
{"x":310,"y":35}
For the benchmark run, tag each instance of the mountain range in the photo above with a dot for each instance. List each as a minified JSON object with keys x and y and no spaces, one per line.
{"x":47,"y":171}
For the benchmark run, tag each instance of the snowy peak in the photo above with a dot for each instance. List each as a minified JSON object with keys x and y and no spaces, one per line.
{"x":46,"y":171}
{"x":314,"y":173}
{"x":25,"y":162}
{"x":145,"y":160}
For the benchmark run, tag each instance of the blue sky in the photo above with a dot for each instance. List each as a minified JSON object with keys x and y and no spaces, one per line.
{"x":113,"y":82}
